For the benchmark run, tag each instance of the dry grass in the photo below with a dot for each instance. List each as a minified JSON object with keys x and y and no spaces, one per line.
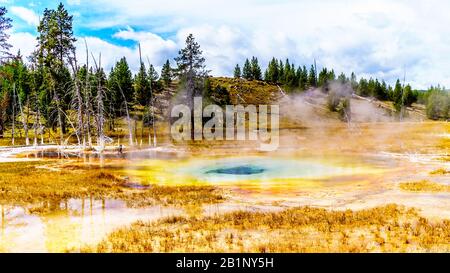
{"x":440,"y":171}
{"x":424,"y":186}
{"x":247,"y":92}
{"x":384,"y":229}
{"x":27,"y":183}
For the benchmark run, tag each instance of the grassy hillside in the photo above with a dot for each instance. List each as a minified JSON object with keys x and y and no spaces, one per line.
{"x":240,"y":91}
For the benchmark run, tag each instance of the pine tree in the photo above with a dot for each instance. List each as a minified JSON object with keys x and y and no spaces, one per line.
{"x":380,"y":91}
{"x":55,"y":48}
{"x":363,"y":89}
{"x":192,"y":72}
{"x":408,"y":97}
{"x":5,"y":25}
{"x":237,"y":71}
{"x":371,"y":88}
{"x":353,"y":81}
{"x":289,"y":74}
{"x":14,"y":92}
{"x":286,"y":70}
{"x":280,"y":72}
{"x":121,"y":81}
{"x":152,"y":74}
{"x":191,"y":68}
{"x":298,"y":75}
{"x":323,"y":77}
{"x":342,"y":78}
{"x":331,"y":76}
{"x":272,"y":71}
{"x":294,"y":76}
{"x":385,"y":90}
{"x":166,"y":73}
{"x":397,"y":96}
{"x":247,"y":71}
{"x":312,"y":79}
{"x":437,"y":103}
{"x":141,"y":86}
{"x":256,"y":70}
{"x":303,"y":80}
{"x":55,"y":39}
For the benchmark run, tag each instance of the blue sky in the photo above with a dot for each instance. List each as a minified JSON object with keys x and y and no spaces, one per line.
{"x":378,"y":38}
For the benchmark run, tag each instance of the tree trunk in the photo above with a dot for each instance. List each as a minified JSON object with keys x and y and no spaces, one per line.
{"x":88,"y":130}
{"x":24,"y":121}
{"x":130,"y":127}
{"x":100,"y":119}
{"x":80,"y":128}
{"x":87,"y":100}
{"x":35,"y":128}
{"x":60,"y":119}
{"x":100,"y":106}
{"x":152,"y":106}
{"x":1,"y":127}
{"x":40,"y":126}
{"x":13,"y":114}
{"x":63,"y":125}
{"x":78,"y":101}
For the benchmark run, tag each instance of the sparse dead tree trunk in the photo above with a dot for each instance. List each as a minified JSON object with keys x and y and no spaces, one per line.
{"x":41,"y":128}
{"x":35,"y":110}
{"x":130,"y":127}
{"x":88,"y":120}
{"x":111,"y":115}
{"x":87,"y":99}
{"x":152,"y":109}
{"x":13,"y":115}
{"x":78,"y":103}
{"x":35,"y":129}
{"x":23,"y":118}
{"x":100,"y":105}
{"x":60,"y":122}
{"x":27,"y":116}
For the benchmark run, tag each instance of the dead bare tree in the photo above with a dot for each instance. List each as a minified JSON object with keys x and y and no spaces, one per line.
{"x":87,"y":99}
{"x":100,"y":106}
{"x":78,"y":99}
{"x":59,"y":111}
{"x":35,"y":128}
{"x":13,"y":115}
{"x":130,"y":127}
{"x":23,"y":118}
{"x":152,"y":107}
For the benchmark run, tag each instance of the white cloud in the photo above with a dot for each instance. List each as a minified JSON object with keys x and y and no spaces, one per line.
{"x":74,"y":2}
{"x":29,"y":16}
{"x":110,"y":53}
{"x":372,"y":38}
{"x":153,"y":47}
{"x":23,"y":41}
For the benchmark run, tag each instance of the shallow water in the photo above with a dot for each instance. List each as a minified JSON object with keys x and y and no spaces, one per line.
{"x":268,"y":168}
{"x":70,"y":225}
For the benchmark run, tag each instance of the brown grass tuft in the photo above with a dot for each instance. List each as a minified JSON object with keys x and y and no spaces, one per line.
{"x":424,"y":186}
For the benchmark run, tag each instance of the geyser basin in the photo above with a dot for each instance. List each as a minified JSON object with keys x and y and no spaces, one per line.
{"x":277,"y":175}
